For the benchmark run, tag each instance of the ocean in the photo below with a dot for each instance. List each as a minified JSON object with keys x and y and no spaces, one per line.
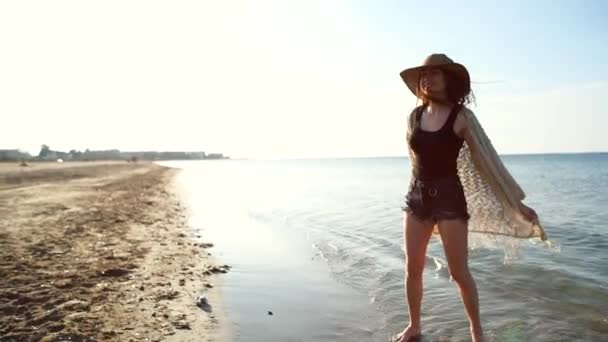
{"x":316,"y":249}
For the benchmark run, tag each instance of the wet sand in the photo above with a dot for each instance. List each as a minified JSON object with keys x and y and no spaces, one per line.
{"x":102,"y":251}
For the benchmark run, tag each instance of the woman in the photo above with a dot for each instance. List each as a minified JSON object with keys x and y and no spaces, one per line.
{"x":436,"y":201}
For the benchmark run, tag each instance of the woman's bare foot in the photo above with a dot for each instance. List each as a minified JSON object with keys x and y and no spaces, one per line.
{"x":409,"y":334}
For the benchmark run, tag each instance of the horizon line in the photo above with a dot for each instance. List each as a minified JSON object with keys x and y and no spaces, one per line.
{"x":406,"y":156}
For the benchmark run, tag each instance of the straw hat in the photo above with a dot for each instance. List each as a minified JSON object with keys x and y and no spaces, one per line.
{"x":437,"y":60}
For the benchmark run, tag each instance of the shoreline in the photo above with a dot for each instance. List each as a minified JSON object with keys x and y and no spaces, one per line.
{"x":209,"y":284}
{"x":103,"y":251}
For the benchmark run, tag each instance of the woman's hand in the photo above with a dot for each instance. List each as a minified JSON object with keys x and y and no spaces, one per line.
{"x":528,"y":213}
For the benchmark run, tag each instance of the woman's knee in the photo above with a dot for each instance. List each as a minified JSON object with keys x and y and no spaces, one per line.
{"x":414,"y":268}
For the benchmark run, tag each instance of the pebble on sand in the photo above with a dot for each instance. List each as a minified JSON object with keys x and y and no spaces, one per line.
{"x":203,"y":303}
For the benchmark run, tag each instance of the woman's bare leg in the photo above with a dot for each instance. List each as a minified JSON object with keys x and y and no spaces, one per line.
{"x":416,"y":235}
{"x":454,"y":236}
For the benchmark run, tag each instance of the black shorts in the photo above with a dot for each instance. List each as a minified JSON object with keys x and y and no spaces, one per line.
{"x":436,"y":199}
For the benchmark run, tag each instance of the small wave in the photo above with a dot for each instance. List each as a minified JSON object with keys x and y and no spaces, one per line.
{"x":333,"y":246}
{"x":441,"y":267}
{"x":320,"y":252}
{"x":439,"y":264}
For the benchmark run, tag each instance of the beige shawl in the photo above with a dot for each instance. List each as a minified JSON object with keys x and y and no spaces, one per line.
{"x":493,"y":196}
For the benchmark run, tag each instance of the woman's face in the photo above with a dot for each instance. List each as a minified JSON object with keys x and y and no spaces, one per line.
{"x":432,"y":81}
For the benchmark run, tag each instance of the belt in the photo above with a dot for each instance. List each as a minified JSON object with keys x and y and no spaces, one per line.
{"x":431,"y":185}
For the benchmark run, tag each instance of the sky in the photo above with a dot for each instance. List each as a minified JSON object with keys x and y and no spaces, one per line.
{"x":294,"y":79}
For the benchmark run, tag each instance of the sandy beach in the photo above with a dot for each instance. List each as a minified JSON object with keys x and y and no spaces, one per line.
{"x":103,"y":252}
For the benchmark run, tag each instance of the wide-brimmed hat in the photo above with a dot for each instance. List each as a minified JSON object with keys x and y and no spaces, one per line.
{"x":411,"y":76}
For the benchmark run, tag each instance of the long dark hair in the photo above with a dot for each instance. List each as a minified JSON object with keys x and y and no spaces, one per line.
{"x":457,"y":91}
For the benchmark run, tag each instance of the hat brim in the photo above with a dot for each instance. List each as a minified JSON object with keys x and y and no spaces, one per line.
{"x":412,"y":75}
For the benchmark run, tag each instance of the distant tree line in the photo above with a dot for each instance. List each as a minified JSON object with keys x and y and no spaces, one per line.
{"x":14,"y":155}
{"x":47,"y":154}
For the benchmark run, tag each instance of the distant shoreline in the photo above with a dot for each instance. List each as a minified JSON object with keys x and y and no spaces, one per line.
{"x":47,"y":154}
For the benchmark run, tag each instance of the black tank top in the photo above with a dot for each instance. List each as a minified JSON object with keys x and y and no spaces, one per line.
{"x":435,"y":152}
